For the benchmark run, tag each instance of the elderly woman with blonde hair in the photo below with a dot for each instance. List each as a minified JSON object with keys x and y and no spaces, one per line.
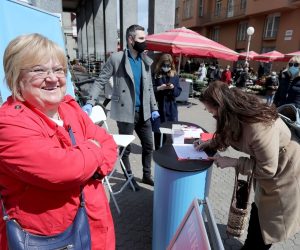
{"x":52,"y":156}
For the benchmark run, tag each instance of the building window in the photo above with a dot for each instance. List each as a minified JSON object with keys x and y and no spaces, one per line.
{"x":243,"y":4}
{"x":272,"y":25}
{"x":267,"y":49}
{"x":230,"y":7}
{"x":215,"y":34}
{"x":242,"y":31}
{"x":218,"y":7}
{"x":176,"y":17}
{"x":200,"y":9}
{"x":187,"y":9}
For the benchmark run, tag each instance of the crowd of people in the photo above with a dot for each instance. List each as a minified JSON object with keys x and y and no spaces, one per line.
{"x":279,"y":87}
{"x":63,"y":156}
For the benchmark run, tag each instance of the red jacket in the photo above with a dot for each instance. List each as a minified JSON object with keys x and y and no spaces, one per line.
{"x":226,"y":76}
{"x":41,"y":172}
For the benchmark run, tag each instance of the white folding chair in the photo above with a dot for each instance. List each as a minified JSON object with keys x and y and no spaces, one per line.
{"x":166,"y":131}
{"x":122,"y":141}
{"x":98,"y":115}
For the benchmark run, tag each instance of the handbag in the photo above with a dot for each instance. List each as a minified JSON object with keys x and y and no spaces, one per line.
{"x":239,"y":207}
{"x":75,"y":237}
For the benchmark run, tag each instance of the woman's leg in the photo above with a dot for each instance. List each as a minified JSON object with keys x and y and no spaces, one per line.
{"x":254,"y":237}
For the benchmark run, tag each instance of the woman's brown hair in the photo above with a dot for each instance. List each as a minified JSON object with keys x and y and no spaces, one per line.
{"x":163,"y":58}
{"x":234,"y":108}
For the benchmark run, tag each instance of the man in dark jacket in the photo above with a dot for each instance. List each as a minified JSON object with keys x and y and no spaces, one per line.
{"x":243,"y":78}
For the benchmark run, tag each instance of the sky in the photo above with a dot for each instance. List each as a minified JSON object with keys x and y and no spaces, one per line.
{"x":143,"y":13}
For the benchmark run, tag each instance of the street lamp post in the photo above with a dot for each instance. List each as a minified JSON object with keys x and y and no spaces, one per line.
{"x":250,"y":32}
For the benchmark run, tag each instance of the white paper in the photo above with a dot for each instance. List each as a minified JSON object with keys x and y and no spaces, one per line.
{"x":177,"y":134}
{"x":188,"y":152}
{"x":191,"y":132}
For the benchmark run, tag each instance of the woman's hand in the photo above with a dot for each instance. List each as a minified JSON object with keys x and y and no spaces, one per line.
{"x":162,"y":87}
{"x":224,"y":161}
{"x":170,"y":86}
{"x":201,"y":145}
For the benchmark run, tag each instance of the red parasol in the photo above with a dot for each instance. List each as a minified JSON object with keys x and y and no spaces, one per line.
{"x":183,"y":41}
{"x":290,"y":55}
{"x":251,"y":54}
{"x":270,"y":56}
{"x":297,"y":53}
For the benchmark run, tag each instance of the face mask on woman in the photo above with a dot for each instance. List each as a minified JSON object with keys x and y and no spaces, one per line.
{"x":294,"y":69}
{"x":166,"y":68}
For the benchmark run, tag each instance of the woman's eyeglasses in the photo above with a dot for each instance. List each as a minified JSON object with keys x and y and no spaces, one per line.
{"x":166,"y":65}
{"x":294,"y":64}
{"x":42,"y":73}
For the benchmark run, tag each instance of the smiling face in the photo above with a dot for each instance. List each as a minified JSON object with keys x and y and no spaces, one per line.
{"x":43,"y":93}
{"x":35,"y":70}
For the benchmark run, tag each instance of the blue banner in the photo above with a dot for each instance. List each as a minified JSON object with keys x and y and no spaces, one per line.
{"x":17,"y":19}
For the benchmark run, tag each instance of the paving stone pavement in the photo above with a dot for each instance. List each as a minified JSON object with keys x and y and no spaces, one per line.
{"x":134,"y":226}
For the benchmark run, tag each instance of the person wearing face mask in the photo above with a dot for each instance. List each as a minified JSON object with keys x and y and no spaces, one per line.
{"x":289,"y":84}
{"x":202,"y":71}
{"x":133,"y":103}
{"x":166,"y":87}
{"x":226,"y":75}
{"x":272,"y":83}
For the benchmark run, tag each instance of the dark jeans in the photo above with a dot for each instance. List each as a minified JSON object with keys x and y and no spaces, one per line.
{"x":254,"y":237}
{"x":144,"y":132}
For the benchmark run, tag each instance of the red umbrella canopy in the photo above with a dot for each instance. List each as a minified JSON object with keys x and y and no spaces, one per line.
{"x":269,"y":56}
{"x":251,"y":55}
{"x":297,"y":53}
{"x":288,"y":56}
{"x":190,"y":43}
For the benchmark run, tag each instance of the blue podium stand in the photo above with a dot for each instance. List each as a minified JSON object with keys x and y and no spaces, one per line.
{"x":177,"y":183}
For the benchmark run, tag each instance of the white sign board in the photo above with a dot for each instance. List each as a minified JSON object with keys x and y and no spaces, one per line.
{"x":191,"y":233}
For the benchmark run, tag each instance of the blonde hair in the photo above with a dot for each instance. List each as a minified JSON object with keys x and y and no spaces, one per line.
{"x":294,"y":59}
{"x":26,"y":51}
{"x":163,"y":58}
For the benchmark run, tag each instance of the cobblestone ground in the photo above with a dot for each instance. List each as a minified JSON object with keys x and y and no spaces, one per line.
{"x":134,"y":225}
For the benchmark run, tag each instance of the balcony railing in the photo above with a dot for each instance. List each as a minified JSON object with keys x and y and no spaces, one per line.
{"x":223,"y":14}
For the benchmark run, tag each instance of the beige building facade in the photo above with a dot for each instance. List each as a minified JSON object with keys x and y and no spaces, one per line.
{"x":276,"y":23}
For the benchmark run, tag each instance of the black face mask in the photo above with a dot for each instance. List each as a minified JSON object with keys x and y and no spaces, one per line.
{"x":139,"y":46}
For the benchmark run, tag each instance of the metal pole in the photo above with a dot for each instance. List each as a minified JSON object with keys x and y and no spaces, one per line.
{"x":121,"y":25}
{"x":248,"y":48}
{"x":180,"y":56}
